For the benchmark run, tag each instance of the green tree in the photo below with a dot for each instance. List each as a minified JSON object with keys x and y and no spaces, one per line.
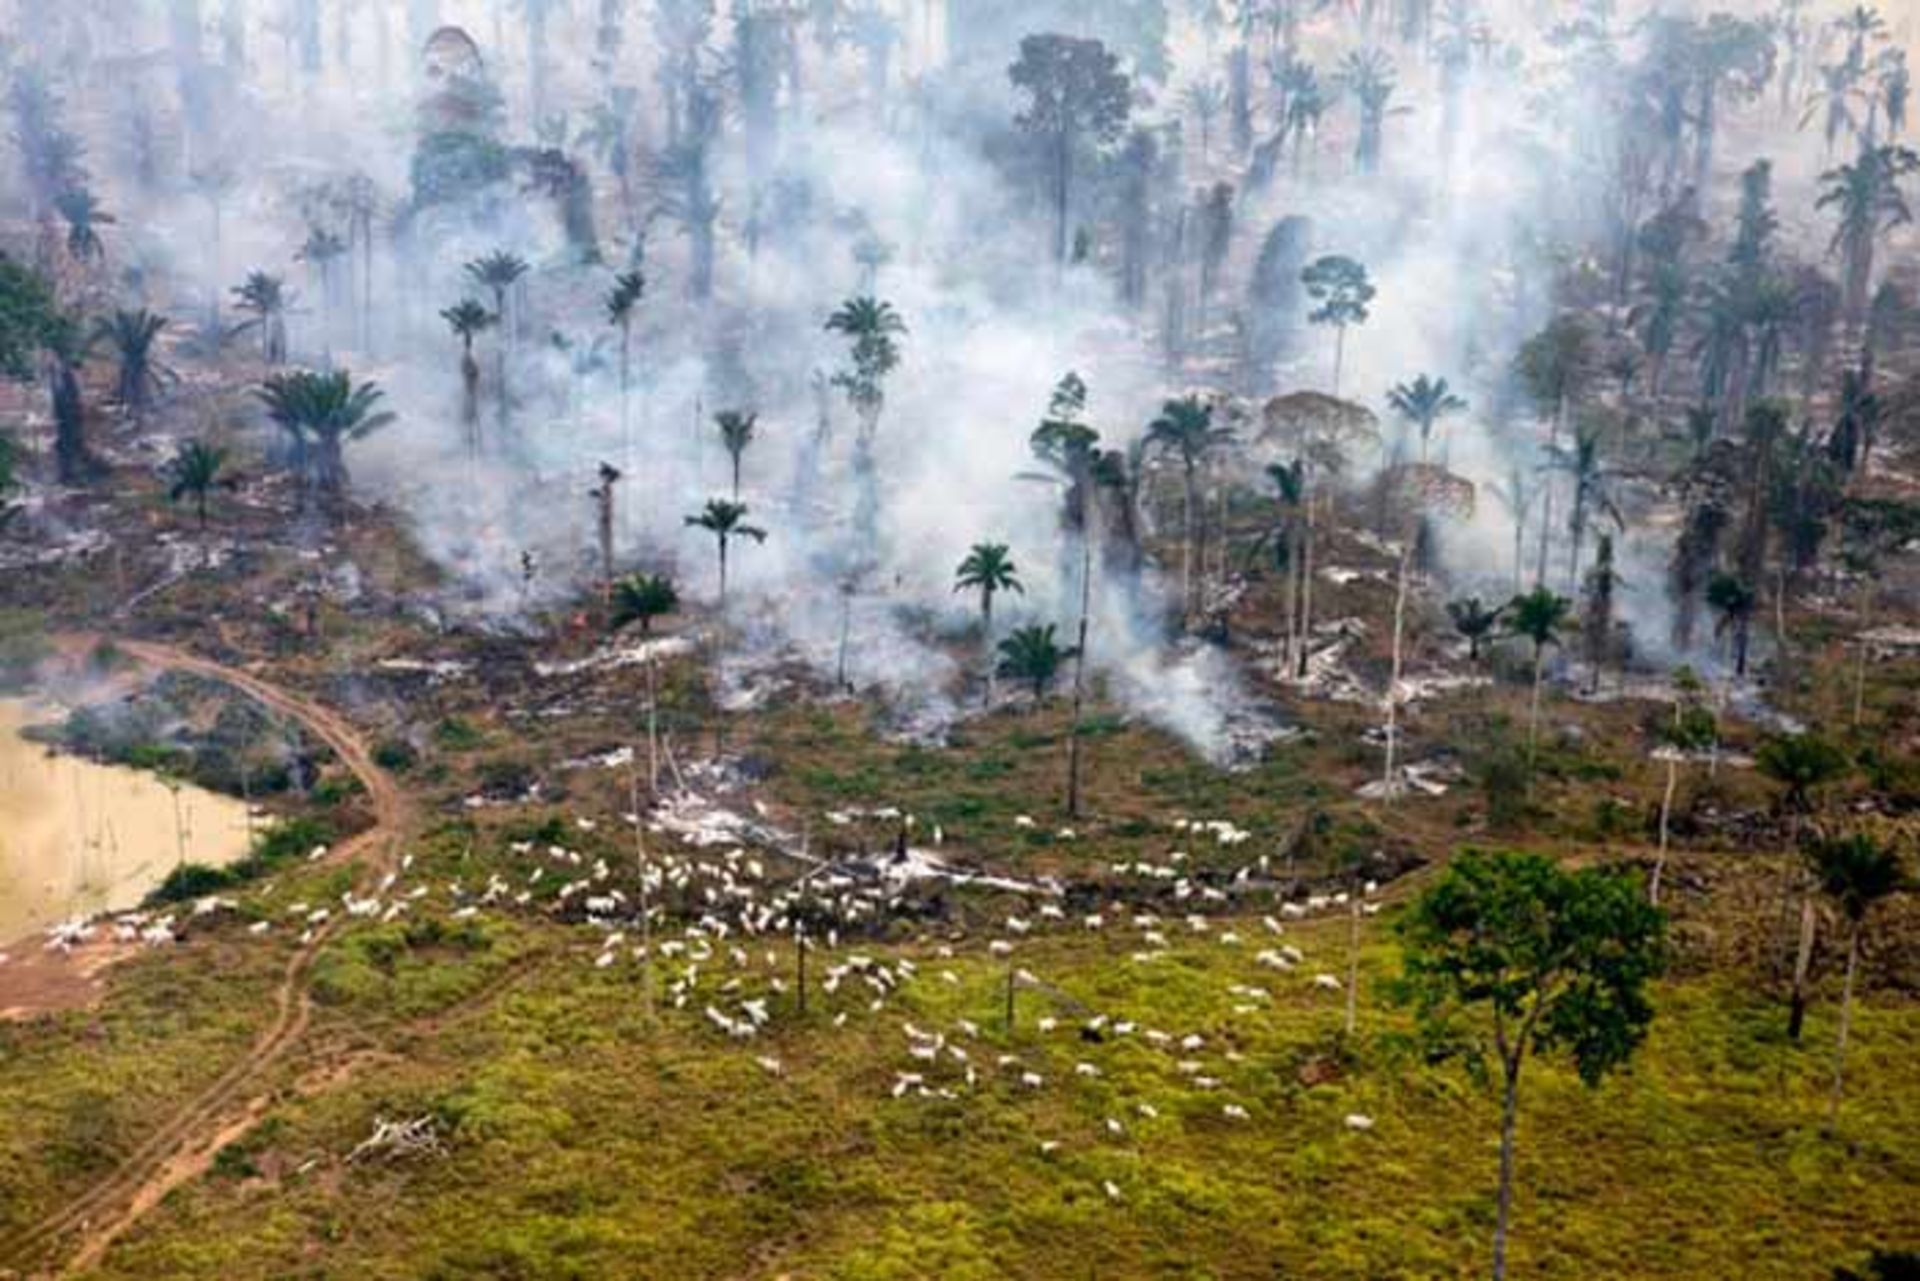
{"x":726,"y":521}
{"x":642,"y":598}
{"x":1538,"y":616}
{"x":1423,"y":403}
{"x":322,"y":412}
{"x":1508,"y":956}
{"x":1857,"y":873}
{"x":736,"y":433}
{"x":1341,"y":287}
{"x":1033,"y":655}
{"x":989,"y":570}
{"x":1077,"y":97}
{"x":195,"y":472}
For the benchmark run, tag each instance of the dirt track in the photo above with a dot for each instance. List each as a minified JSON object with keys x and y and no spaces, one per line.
{"x":186,"y":1144}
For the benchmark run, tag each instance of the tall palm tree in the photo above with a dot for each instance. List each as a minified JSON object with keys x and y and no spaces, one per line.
{"x":468,"y":319}
{"x":84,"y":218}
{"x":1205,"y":99}
{"x":322,"y":412}
{"x":267,"y":299}
{"x":726,"y":521}
{"x":195,"y":472}
{"x":1185,"y":429}
{"x":736,"y":433}
{"x":321,"y":251}
{"x":1423,"y":403}
{"x":1735,"y":601}
{"x":1368,"y":76}
{"x":987,"y":569}
{"x":132,"y":336}
{"x":1555,"y":366}
{"x":1538,"y":616}
{"x":1867,"y":199}
{"x":1033,"y":655}
{"x":873,"y":327}
{"x":499,"y":272}
{"x":1857,"y":873}
{"x":1593,"y":484}
{"x":622,"y":300}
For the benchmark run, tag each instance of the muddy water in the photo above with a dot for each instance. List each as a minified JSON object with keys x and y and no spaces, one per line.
{"x":79,"y":837}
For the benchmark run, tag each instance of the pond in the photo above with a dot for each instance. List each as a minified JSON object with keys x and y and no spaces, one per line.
{"x":80,"y":838}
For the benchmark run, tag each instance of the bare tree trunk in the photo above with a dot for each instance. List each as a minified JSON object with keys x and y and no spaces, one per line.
{"x":1509,"y":1114}
{"x":1353,"y":957}
{"x":1306,"y":592}
{"x":1860,"y":663}
{"x":1802,"y":962}
{"x":1666,"y":816}
{"x":1846,"y":1022}
{"x":1393,"y":681}
{"x":1079,"y":679}
{"x":1533,"y":711}
{"x":640,"y":865}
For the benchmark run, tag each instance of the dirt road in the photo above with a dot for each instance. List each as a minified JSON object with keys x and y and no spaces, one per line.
{"x":186,"y":1144}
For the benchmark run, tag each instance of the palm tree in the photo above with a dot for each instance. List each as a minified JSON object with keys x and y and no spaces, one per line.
{"x":1539,"y":615}
{"x":499,"y":272}
{"x":1423,"y":403}
{"x":196,"y":471}
{"x":1368,"y":76}
{"x":987,"y":569}
{"x":872,"y":326}
{"x":725,"y":521}
{"x":84,"y":218}
{"x":642,"y":598}
{"x":1856,"y":872}
{"x":1735,"y":601}
{"x":622,"y":299}
{"x":322,"y":412}
{"x":1206,"y":99}
{"x":1031,"y":654}
{"x":132,"y":335}
{"x":736,"y":433}
{"x":1593,"y":490}
{"x":322,"y":249}
{"x":1555,"y":365}
{"x":1475,"y":622}
{"x":1866,"y":196}
{"x":267,"y":298}
{"x":1185,"y":428}
{"x":609,"y":133}
{"x":468,"y":319}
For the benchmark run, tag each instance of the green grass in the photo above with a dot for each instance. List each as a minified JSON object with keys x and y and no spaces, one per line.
{"x":585,"y":1143}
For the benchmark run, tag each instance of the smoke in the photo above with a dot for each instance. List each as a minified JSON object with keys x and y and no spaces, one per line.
{"x":1462,"y":237}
